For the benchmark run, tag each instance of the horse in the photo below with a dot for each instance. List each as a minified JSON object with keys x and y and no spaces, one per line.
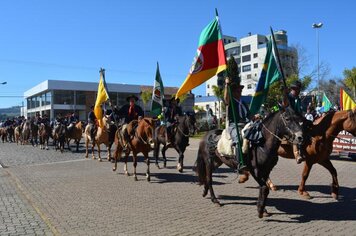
{"x":59,"y":136}
{"x":103,"y":135}
{"x":141,"y":140}
{"x":76,"y":134}
{"x":26,"y":132}
{"x":10,"y":133}
{"x":3,"y":134}
{"x":34,"y":133}
{"x":185,"y":128}
{"x":18,"y":136}
{"x":44,"y":132}
{"x":261,"y":159}
{"x":319,"y":145}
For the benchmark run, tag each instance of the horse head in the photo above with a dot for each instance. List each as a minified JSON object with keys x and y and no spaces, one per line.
{"x":190,"y":122}
{"x":288,"y":125}
{"x":145,"y":129}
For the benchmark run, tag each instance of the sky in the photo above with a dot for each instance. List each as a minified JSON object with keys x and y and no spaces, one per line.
{"x":71,"y":39}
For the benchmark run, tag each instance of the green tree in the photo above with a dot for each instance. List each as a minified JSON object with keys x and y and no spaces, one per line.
{"x":232,"y":70}
{"x":219,"y":94}
{"x":146,"y":96}
{"x":350,"y":79}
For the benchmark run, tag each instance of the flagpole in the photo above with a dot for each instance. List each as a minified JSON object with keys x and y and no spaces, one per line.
{"x":102,"y":72}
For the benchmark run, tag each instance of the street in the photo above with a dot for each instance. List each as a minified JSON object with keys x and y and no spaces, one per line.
{"x":44,"y":192}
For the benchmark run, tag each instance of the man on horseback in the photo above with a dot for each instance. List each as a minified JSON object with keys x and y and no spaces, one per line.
{"x":242,"y":118}
{"x":295,"y":102}
{"x":92,"y":123}
{"x":72,"y":121}
{"x":173,"y":111}
{"x":128,"y":113}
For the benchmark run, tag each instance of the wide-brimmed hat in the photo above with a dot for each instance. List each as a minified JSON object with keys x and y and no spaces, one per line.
{"x":132,"y":96}
{"x":296,"y":84}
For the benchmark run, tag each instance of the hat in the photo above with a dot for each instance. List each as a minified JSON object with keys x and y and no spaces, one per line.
{"x":296,"y":84}
{"x":132,"y":96}
{"x":173,"y":98}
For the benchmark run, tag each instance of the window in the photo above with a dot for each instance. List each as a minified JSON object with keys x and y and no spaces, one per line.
{"x":255,"y":55}
{"x":63,"y":97}
{"x":255,"y":65}
{"x":249,"y":86}
{"x":208,"y":94}
{"x":246,"y":58}
{"x":80,"y":97}
{"x":246,"y":48}
{"x":207,"y":86}
{"x":249,"y":76}
{"x":246,"y":68}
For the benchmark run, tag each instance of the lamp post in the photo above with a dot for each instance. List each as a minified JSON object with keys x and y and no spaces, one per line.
{"x":318,"y":26}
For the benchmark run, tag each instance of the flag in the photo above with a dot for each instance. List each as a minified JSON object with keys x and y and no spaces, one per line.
{"x":269,"y":74}
{"x":209,"y":60}
{"x":101,"y":97}
{"x":326,"y":104}
{"x":346,"y":101}
{"x":157,"y":94}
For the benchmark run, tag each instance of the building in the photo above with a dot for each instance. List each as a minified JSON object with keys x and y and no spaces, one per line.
{"x":52,"y":97}
{"x":249,"y":53}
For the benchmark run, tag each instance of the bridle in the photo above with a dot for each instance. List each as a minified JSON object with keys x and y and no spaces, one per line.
{"x":289,"y":138}
{"x":139,"y":137}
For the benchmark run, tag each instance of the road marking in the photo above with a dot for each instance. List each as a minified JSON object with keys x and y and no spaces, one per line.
{"x":58,"y":162}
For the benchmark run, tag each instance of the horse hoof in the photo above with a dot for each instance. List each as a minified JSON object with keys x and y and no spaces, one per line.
{"x":305,"y":195}
{"x":243,"y":178}
{"x":99,"y":160}
{"x":113,"y":169}
{"x":148,"y":179}
{"x":135,"y":178}
{"x":216,"y":202}
{"x":266,"y":214}
{"x":260,"y":215}
{"x":127,"y":173}
{"x":158,"y":167}
{"x":164,"y":165}
{"x":335,"y":196}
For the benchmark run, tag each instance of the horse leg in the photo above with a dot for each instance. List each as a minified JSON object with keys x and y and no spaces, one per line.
{"x":86,"y":147}
{"x":98,"y":145}
{"x":125,"y":166}
{"x":116,"y":155}
{"x":180,"y":161}
{"x":109,"y":152}
{"x":156,"y":153}
{"x":134,"y":160}
{"x":77,"y":142}
{"x":335,"y":184}
{"x":147,"y":160}
{"x":164,"y":149}
{"x":209,"y":182}
{"x":305,"y":175}
{"x":271,"y":185}
{"x":261,"y":202}
{"x":92,"y":150}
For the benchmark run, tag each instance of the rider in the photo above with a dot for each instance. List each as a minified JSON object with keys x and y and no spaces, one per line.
{"x":72,"y":121}
{"x":242,"y":112}
{"x":295,"y":102}
{"x":38,"y":118}
{"x":172,"y":112}
{"x":128,"y":113}
{"x":92,"y":123}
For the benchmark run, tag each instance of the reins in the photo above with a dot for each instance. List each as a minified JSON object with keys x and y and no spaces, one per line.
{"x":285,"y":124}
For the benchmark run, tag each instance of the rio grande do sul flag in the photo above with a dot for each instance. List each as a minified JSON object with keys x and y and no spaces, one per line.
{"x":209,"y":60}
{"x":346,"y":101}
{"x":157,"y":94}
{"x":101,"y":97}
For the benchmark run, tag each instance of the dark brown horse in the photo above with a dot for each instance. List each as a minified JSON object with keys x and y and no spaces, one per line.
{"x":319,"y":145}
{"x":261,"y":160}
{"x":141,"y":140}
{"x":181,"y":133}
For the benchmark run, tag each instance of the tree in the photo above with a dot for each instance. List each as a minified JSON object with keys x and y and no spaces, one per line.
{"x":350,"y":80}
{"x":232,"y":70}
{"x":219,"y":93}
{"x":146,"y":96}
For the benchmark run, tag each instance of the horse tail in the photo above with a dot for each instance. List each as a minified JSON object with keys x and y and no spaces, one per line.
{"x":200,"y":164}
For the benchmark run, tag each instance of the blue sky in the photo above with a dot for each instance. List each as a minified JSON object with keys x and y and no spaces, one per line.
{"x":71,"y":40}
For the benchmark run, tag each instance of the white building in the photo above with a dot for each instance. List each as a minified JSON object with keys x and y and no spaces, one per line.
{"x":249,"y":53}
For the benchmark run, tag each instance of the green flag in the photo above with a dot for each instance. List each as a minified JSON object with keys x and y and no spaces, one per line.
{"x":157,"y":94}
{"x":326,"y":104}
{"x":269,"y":74}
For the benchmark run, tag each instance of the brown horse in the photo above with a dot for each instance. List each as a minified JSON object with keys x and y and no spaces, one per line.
{"x":44,"y":132}
{"x":103,"y":135}
{"x":18,"y":137}
{"x":319,"y":146}
{"x":75,"y":133}
{"x":141,"y":140}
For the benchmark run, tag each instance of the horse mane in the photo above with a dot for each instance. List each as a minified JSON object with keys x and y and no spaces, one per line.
{"x":352,"y":115}
{"x":324,"y":122}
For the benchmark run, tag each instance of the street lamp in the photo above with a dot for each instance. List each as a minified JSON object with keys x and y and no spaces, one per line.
{"x":318,"y":26}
